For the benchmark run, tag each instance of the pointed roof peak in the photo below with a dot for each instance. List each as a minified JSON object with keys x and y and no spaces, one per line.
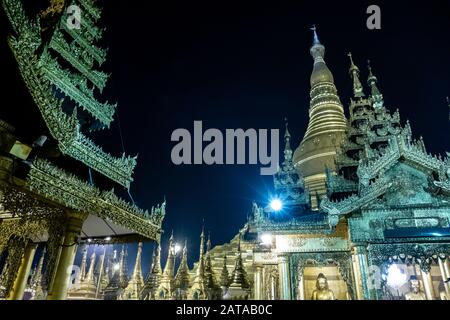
{"x":316,"y":37}
{"x":286,"y":124}
{"x":371,"y":75}
{"x":352,"y":63}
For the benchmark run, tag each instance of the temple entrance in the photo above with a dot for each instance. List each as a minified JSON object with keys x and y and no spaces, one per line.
{"x":335,"y":283}
{"x":406,"y":278}
{"x":322,"y":276}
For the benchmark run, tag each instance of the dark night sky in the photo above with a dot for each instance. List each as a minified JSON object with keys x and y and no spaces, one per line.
{"x":248,"y":66}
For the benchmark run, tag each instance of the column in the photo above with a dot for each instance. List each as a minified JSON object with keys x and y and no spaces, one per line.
{"x":283,"y":270}
{"x":362,"y":276}
{"x":20,"y":282}
{"x":58,"y":289}
{"x":258,"y":283}
{"x":447,"y":272}
{"x":445,"y":278}
{"x":427,"y":284}
{"x":357,"y":276}
{"x":301,"y":285}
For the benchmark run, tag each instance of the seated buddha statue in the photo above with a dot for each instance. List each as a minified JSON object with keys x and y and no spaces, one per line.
{"x":415,"y":293}
{"x":322,"y":291}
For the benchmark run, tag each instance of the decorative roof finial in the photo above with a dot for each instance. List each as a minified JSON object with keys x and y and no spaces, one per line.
{"x":377,"y":97}
{"x":316,"y":38}
{"x":354,"y":73}
{"x":286,"y":133}
{"x":287,"y":147}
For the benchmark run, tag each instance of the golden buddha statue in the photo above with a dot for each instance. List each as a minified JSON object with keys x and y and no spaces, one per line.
{"x":322,"y":291}
{"x":415,"y":293}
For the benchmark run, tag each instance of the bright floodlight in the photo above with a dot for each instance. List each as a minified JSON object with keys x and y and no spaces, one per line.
{"x":396,"y":278}
{"x":108,"y":239}
{"x":266,"y":239}
{"x":177,"y":248}
{"x":276,"y":204}
{"x":116,"y":266}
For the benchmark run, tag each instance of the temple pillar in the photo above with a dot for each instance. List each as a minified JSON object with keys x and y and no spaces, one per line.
{"x":362,"y":275}
{"x":283,"y":270}
{"x":20,"y":282}
{"x":427,"y":283}
{"x":357,"y":276}
{"x":259,"y":283}
{"x":445,"y":277}
{"x":301,"y":285}
{"x":58,"y":288}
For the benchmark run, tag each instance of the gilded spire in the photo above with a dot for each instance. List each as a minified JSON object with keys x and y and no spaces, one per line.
{"x":182,"y":279}
{"x":209,"y":273}
{"x":239,"y":276}
{"x":376,"y":95}
{"x":317,"y":50}
{"x":154,"y":276}
{"x":36,"y":282}
{"x":326,"y":128}
{"x":136,"y":283}
{"x":137,"y":272}
{"x":90,"y":275}
{"x":156,"y":260}
{"x":169,"y":269}
{"x":224,"y":276}
{"x":82,"y":274}
{"x":198,"y":291}
{"x":123,"y":278}
{"x":202,"y":242}
{"x":354,"y":73}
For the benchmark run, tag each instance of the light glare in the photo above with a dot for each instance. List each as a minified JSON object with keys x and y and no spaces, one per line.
{"x":276,"y":204}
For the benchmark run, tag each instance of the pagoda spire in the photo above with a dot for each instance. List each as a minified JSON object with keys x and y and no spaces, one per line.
{"x":224,"y":276}
{"x":166,"y":286}
{"x":156,"y":260}
{"x":239,"y":277}
{"x":198,"y":291}
{"x":82,"y":274}
{"x":169,"y":269}
{"x":36,"y":282}
{"x":154,"y":276}
{"x":209,"y":273}
{"x":90,"y":275}
{"x":123,"y":278}
{"x":137,"y":272}
{"x":358,"y":91}
{"x":136,"y":283}
{"x":182,"y":281}
{"x":326,"y":128}
{"x":376,"y":95}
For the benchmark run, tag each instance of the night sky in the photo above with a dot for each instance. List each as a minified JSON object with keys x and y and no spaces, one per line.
{"x":248,"y":66}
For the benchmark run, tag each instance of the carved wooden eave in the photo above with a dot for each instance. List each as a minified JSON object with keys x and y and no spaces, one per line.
{"x":373,"y":183}
{"x":50,"y":182}
{"x":64,"y":128}
{"x":400,"y":147}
